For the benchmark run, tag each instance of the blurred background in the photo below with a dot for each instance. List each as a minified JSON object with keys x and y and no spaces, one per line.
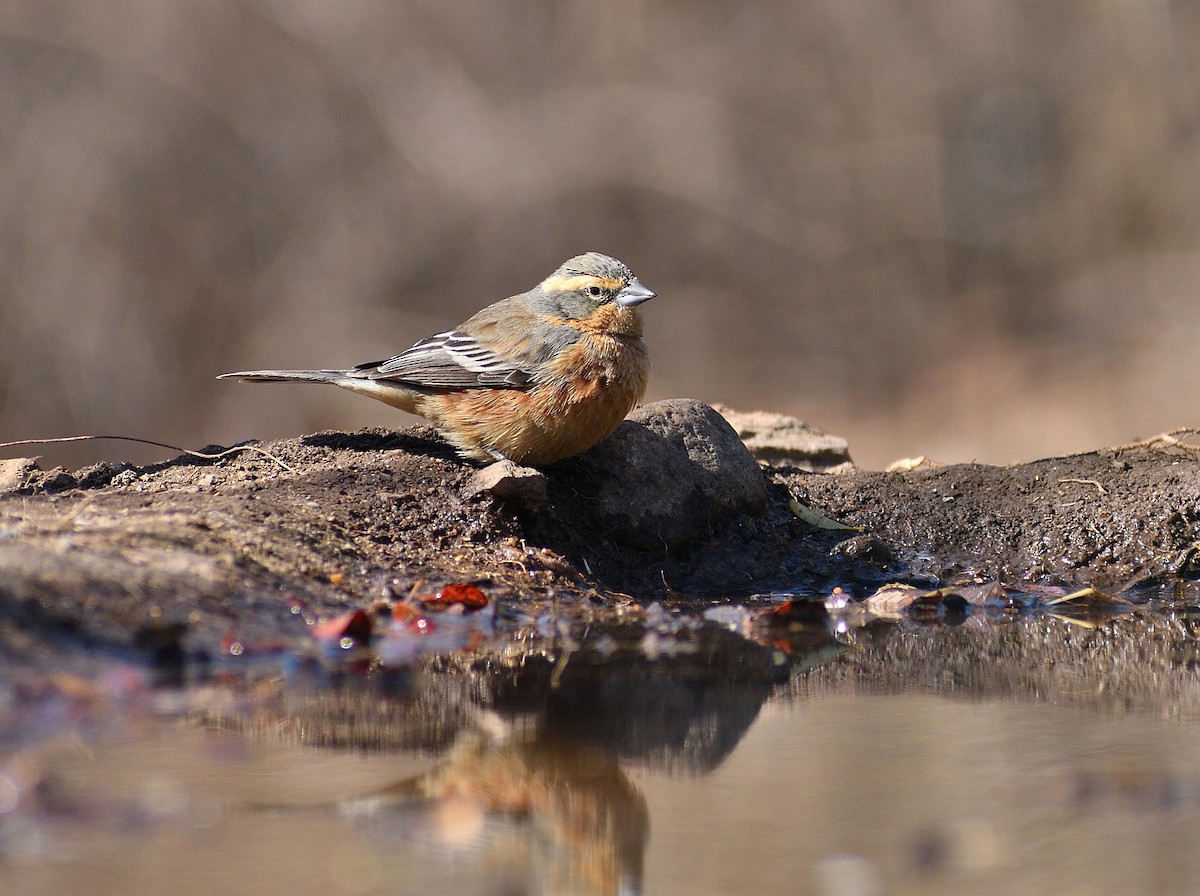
{"x":960,"y":228}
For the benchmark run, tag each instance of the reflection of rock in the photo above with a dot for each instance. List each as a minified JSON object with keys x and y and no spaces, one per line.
{"x":780,"y":439}
{"x":656,"y":712}
{"x":685,"y":707}
{"x":667,"y":473}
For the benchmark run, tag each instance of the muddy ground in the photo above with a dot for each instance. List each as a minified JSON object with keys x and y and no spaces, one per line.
{"x":172,"y":561}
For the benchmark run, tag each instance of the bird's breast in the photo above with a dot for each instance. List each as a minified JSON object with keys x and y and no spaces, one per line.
{"x":605,"y":369}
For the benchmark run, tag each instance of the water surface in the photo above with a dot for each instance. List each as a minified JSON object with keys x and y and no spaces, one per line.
{"x":1005,"y":756}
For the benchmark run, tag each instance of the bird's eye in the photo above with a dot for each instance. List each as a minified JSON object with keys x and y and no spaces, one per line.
{"x":595,"y":292}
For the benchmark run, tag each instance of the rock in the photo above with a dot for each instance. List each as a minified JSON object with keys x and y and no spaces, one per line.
{"x":669,"y":473}
{"x":778,"y":439}
{"x":15,"y":472}
{"x":523,"y":488}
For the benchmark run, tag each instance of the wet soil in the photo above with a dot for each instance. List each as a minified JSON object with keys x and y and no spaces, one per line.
{"x":1113,"y":518}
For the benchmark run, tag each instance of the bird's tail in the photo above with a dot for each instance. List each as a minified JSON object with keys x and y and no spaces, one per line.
{"x":398,"y":395}
{"x":285,"y":376}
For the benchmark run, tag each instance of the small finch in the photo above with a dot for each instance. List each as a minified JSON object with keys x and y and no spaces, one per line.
{"x":532,"y":378}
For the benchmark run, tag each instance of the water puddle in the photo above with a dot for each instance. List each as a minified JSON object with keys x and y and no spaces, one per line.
{"x":735,"y":748}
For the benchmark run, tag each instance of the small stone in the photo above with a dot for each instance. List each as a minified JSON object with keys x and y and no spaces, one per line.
{"x":524,"y":488}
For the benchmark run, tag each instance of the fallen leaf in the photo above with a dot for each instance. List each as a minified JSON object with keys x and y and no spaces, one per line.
{"x":1091,"y":597}
{"x":465,"y":598}
{"x":814,"y":519}
{"x":905,"y":464}
{"x":793,"y":611}
{"x":892,"y":599}
{"x":354,"y":627}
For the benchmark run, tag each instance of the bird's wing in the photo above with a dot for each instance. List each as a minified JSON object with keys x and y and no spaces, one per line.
{"x":451,"y":361}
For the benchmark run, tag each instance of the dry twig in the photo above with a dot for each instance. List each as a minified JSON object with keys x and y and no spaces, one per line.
{"x":200,"y":454}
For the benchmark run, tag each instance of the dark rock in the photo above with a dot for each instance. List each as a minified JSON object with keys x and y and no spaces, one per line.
{"x":670,"y":472}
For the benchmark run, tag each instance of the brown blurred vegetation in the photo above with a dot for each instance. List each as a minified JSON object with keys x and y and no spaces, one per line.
{"x":963,"y":228}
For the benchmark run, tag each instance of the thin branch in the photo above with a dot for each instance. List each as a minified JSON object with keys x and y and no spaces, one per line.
{"x":1166,"y":440}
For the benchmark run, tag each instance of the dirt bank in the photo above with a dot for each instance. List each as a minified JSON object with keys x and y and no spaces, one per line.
{"x":673,"y":506}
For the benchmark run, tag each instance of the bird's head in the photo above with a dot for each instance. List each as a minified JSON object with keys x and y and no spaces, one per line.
{"x":596,"y":287}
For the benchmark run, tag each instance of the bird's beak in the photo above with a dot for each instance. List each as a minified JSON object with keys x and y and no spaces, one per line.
{"x":634,"y":293}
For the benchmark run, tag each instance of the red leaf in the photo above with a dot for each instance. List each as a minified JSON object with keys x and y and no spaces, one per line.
{"x":468,"y":597}
{"x":354,"y":624}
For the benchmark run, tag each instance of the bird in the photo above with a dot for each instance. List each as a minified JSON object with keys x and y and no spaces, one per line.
{"x":534,"y":378}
